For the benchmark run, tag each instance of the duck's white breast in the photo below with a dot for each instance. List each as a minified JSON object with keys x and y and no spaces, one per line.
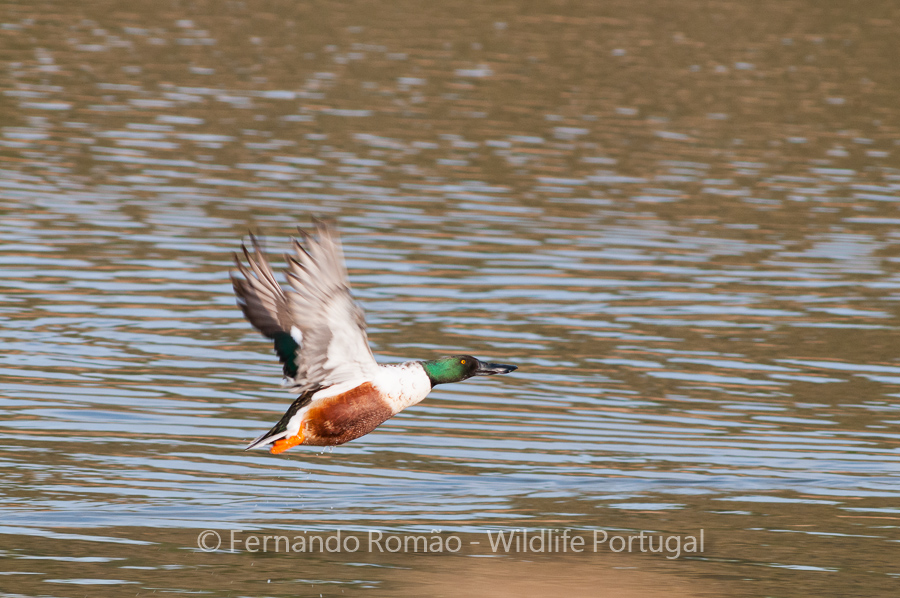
{"x":402,"y":384}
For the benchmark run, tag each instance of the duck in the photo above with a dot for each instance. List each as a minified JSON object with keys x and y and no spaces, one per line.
{"x":319,"y":334}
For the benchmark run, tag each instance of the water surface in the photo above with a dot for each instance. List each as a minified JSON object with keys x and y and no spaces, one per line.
{"x":679,"y":219}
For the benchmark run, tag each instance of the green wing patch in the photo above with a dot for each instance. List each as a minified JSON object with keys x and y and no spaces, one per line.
{"x":286,"y":348}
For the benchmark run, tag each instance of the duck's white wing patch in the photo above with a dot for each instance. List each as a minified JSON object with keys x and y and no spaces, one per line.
{"x":319,"y":331}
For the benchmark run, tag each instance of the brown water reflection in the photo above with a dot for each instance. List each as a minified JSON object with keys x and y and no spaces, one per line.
{"x":376,"y":574}
{"x":678,"y":219}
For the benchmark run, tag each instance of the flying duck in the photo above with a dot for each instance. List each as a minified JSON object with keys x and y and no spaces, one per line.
{"x":319,"y":333}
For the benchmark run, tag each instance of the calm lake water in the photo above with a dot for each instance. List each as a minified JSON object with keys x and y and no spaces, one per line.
{"x":679,"y":219}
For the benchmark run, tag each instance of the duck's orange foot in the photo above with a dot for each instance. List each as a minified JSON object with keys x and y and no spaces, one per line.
{"x":279,"y":446}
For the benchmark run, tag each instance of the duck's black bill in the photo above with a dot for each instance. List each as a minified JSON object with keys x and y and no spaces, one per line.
{"x":489,"y":369}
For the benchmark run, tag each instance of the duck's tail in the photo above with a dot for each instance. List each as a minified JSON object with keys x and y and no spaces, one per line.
{"x":266,"y":438}
{"x":281,"y":429}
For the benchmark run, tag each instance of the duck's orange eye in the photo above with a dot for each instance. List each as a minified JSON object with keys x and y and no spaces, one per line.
{"x":462,"y":360}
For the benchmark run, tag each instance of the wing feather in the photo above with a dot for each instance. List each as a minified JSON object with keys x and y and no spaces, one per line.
{"x":332,"y":346}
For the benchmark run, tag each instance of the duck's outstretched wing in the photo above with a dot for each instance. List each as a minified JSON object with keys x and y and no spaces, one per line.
{"x":319,"y":331}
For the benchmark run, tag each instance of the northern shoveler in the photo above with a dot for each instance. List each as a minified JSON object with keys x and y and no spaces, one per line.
{"x":319,"y":334}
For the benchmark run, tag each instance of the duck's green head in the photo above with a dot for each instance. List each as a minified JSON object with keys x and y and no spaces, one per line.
{"x":461,"y":367}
